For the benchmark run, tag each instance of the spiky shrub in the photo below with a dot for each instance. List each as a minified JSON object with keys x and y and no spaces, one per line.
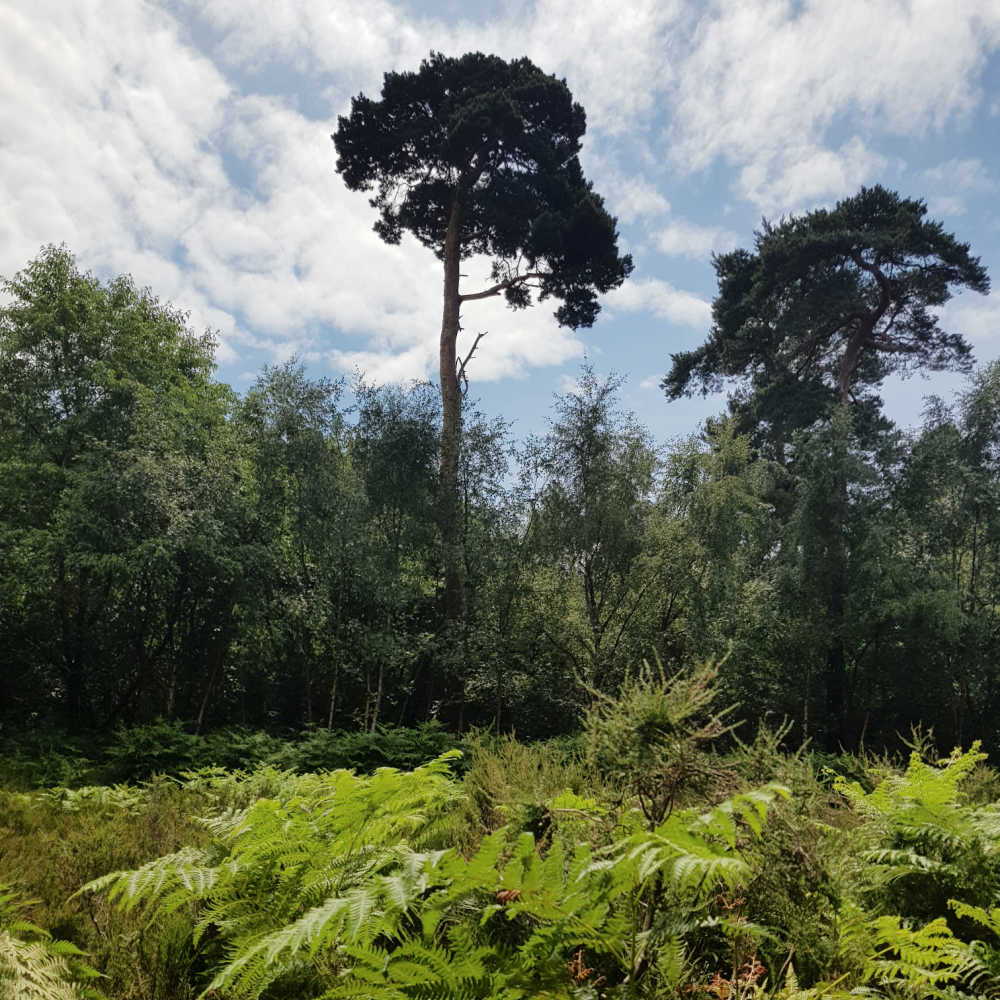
{"x":33,"y":966}
{"x":655,"y":740}
{"x":509,"y":783}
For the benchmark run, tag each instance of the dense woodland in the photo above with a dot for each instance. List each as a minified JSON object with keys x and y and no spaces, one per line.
{"x":332,"y":689}
{"x":172,"y":549}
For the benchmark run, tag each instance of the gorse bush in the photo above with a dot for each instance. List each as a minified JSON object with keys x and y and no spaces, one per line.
{"x":509,"y":783}
{"x":656,"y":740}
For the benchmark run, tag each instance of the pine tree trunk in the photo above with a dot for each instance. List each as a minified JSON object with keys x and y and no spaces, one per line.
{"x":452,"y":554}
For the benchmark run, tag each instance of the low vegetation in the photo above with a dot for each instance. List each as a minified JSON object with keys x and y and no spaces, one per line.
{"x":687,"y":865}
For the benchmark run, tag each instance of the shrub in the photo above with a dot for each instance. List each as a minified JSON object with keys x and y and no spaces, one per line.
{"x":655,"y":740}
{"x":138,"y":752}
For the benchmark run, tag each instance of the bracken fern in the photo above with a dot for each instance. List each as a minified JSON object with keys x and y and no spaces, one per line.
{"x":32,"y":965}
{"x":340,"y":887}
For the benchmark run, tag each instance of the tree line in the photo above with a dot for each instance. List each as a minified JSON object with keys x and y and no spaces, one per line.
{"x":172,"y":548}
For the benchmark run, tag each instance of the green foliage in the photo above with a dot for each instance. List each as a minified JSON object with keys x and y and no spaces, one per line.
{"x":593,"y":478}
{"x":321,"y":837}
{"x":137,"y":753}
{"x":835,"y":264}
{"x":655,"y":739}
{"x":175,"y":553}
{"x":33,"y":966}
{"x":929,"y":847}
{"x":158,"y":747}
{"x":115,"y":505}
{"x":386,"y":746}
{"x":344,"y":884}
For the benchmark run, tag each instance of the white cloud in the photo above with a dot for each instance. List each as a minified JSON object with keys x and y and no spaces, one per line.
{"x":632,"y":199}
{"x":567,"y":384}
{"x":964,"y":175}
{"x":765,"y":81}
{"x":946,"y":204}
{"x":949,"y":182}
{"x":975,"y":317}
{"x":121,"y":153}
{"x":807,"y":175}
{"x":109,"y":124}
{"x":687,"y":239}
{"x":119,"y":137}
{"x":651,"y":382}
{"x":351,"y":38}
{"x":616,"y":57}
{"x":663,"y":300}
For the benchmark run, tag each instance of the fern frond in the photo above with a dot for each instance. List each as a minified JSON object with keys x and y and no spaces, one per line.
{"x":923,"y":961}
{"x":288,"y":876}
{"x":990,"y":919}
{"x":164,"y":883}
{"x":32,"y":965}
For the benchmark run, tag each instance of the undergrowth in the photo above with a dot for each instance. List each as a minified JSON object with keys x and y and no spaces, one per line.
{"x":43,"y":758}
{"x":654,"y":857}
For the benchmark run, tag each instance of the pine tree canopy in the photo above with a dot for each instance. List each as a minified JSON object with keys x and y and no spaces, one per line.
{"x":831,"y":302}
{"x":495,"y":142}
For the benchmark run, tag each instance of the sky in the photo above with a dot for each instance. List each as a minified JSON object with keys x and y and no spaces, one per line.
{"x":187,"y":142}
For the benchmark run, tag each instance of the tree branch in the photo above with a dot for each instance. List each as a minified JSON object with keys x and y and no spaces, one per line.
{"x":502,"y":286}
{"x":460,"y":374}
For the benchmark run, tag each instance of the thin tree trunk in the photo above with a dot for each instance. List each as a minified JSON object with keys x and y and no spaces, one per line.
{"x":377,"y":706}
{"x":333,"y":697}
{"x":452,"y":553}
{"x":836,"y":659}
{"x":200,"y":721}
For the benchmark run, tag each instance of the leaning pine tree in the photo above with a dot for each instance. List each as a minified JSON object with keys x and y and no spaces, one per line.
{"x":479,"y":156}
